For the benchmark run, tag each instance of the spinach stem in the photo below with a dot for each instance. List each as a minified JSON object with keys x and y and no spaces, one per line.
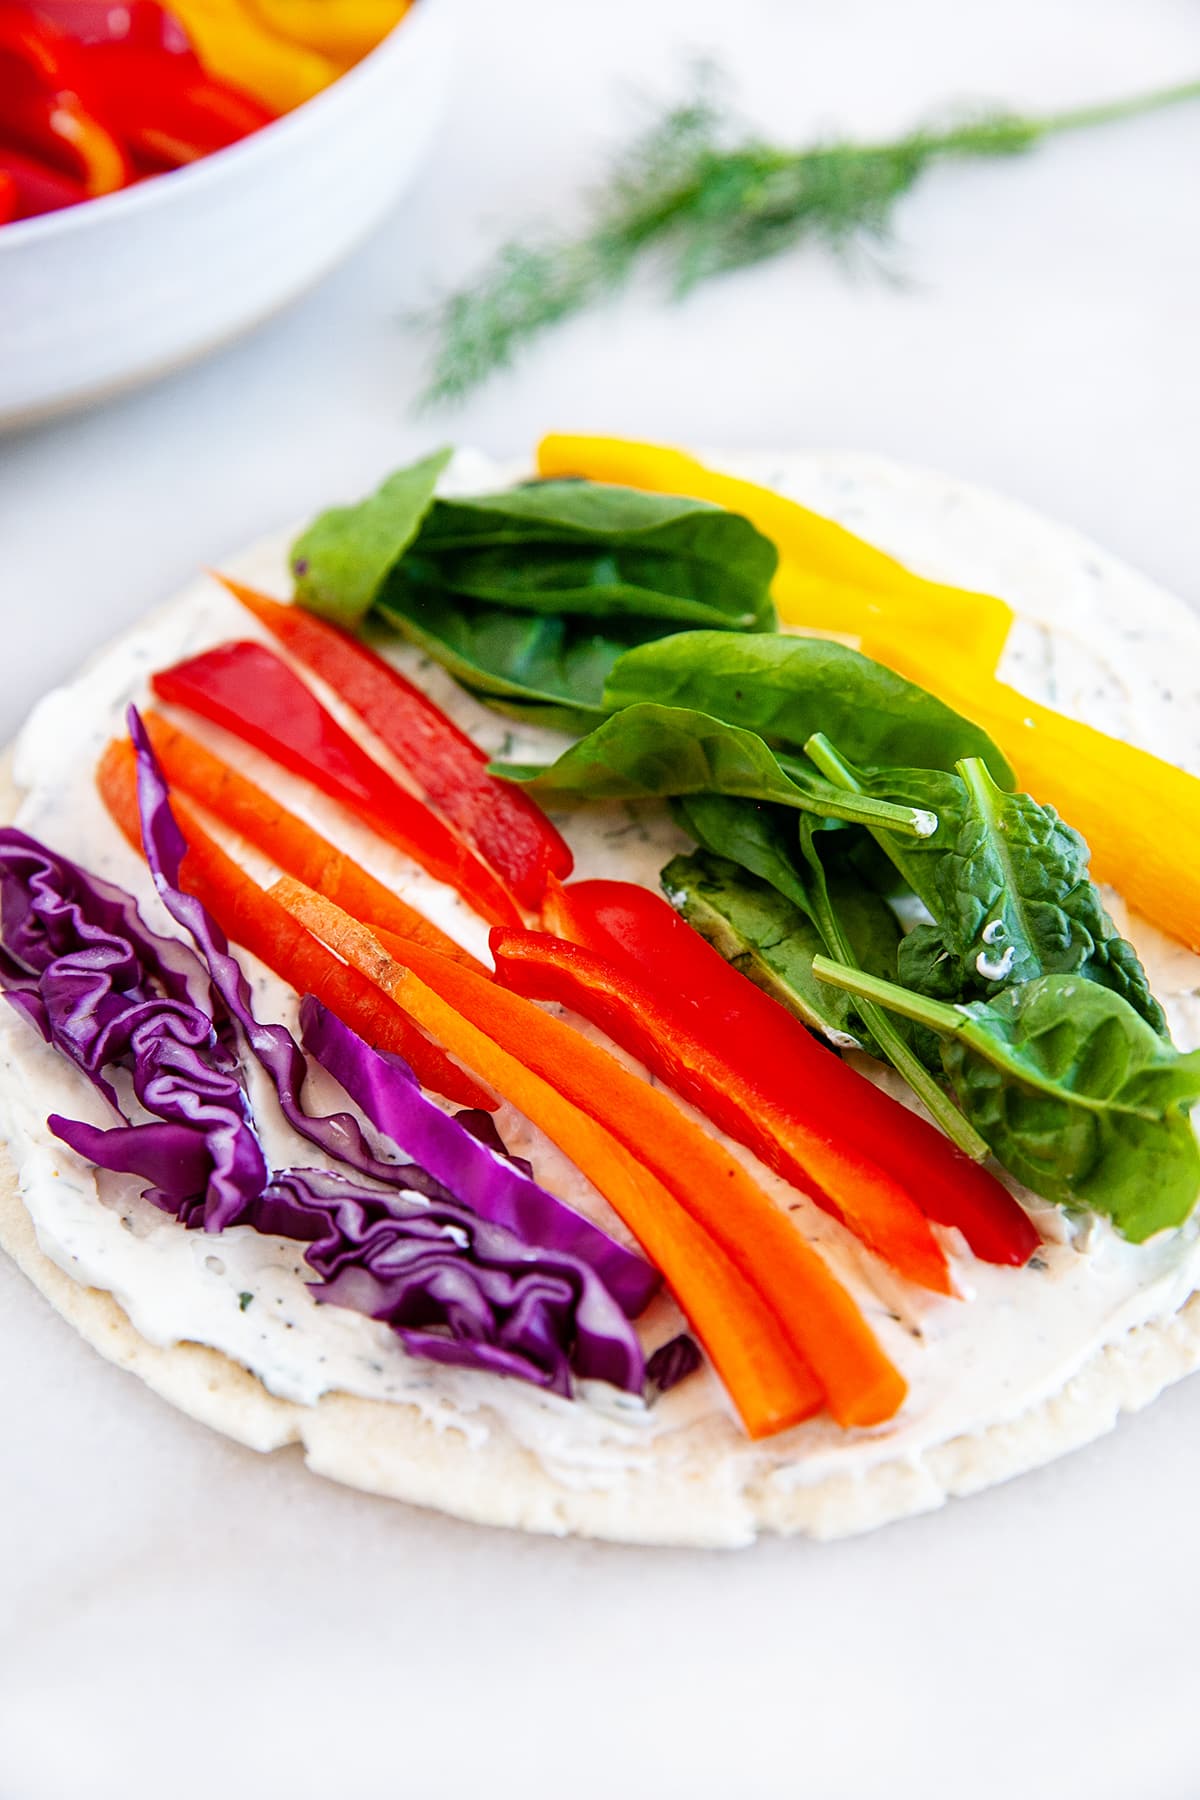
{"x":919,"y":1007}
{"x":933,"y":1097}
{"x":861,"y":809}
{"x":835,"y":769}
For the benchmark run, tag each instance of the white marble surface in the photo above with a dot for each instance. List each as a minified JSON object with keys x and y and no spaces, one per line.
{"x":181,"y":1617}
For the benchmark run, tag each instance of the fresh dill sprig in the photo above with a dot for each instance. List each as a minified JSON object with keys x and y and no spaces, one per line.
{"x":705,"y":201}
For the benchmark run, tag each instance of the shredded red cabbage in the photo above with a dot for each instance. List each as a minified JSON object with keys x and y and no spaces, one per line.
{"x":77,"y":960}
{"x":455,"y":1287}
{"x":672,"y":1363}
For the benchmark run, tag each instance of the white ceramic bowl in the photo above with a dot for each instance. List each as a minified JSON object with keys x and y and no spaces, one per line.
{"x":125,"y":287}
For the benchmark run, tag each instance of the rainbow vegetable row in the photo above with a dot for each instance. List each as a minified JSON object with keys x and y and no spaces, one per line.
{"x":782,"y":1333}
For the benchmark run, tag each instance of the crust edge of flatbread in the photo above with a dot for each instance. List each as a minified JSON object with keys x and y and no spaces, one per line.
{"x":390,"y":1450}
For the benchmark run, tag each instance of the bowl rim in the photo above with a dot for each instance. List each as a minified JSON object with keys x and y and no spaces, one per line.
{"x":158,"y":190}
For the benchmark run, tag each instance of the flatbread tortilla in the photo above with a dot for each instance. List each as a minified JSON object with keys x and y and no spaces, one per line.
{"x":726,"y":1497}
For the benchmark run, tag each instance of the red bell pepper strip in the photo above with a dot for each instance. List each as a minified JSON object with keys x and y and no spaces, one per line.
{"x":59,"y":125}
{"x":44,"y":106}
{"x":164,"y":107}
{"x":507,"y":828}
{"x":252,"y":918}
{"x":8,"y":198}
{"x":248,"y":690}
{"x":777,"y":1057}
{"x":36,"y":187}
{"x":43,"y":111}
{"x":801,"y":1143}
{"x":32,"y":53}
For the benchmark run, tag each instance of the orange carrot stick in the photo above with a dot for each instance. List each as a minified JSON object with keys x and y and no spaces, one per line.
{"x":193,"y":769}
{"x":254,"y":919}
{"x":771,"y":1385}
{"x":819,"y":1318}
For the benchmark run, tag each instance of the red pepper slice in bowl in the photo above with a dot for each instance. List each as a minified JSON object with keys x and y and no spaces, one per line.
{"x":248,"y":690}
{"x":140,"y":22}
{"x":45,"y":106}
{"x":36,"y":187}
{"x":165,"y":108}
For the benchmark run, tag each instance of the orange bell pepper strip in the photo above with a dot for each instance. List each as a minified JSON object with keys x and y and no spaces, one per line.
{"x":677,"y":1049}
{"x":505,"y":827}
{"x":821,"y":1321}
{"x":1140,"y":815}
{"x":252,"y":918}
{"x":252,"y":693}
{"x":191,"y":768}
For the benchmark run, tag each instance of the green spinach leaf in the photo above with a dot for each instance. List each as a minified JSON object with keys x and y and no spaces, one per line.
{"x":870,"y":949}
{"x":578,"y":547}
{"x":521,"y":662}
{"x":1076,"y":1095}
{"x":765,"y":936}
{"x":340,"y":561}
{"x":1007,"y":883}
{"x":759,"y":838}
{"x":785,"y":688}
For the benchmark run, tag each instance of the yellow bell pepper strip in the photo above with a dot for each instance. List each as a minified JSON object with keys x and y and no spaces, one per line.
{"x":235,"y":46}
{"x":828,"y":579}
{"x":821,"y":1321}
{"x":1140,"y":815}
{"x":343,"y":30}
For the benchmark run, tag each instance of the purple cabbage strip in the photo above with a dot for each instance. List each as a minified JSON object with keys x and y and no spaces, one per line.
{"x":508,"y":1308}
{"x":673,"y":1362}
{"x":384,"y":1088}
{"x":78,"y":962}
